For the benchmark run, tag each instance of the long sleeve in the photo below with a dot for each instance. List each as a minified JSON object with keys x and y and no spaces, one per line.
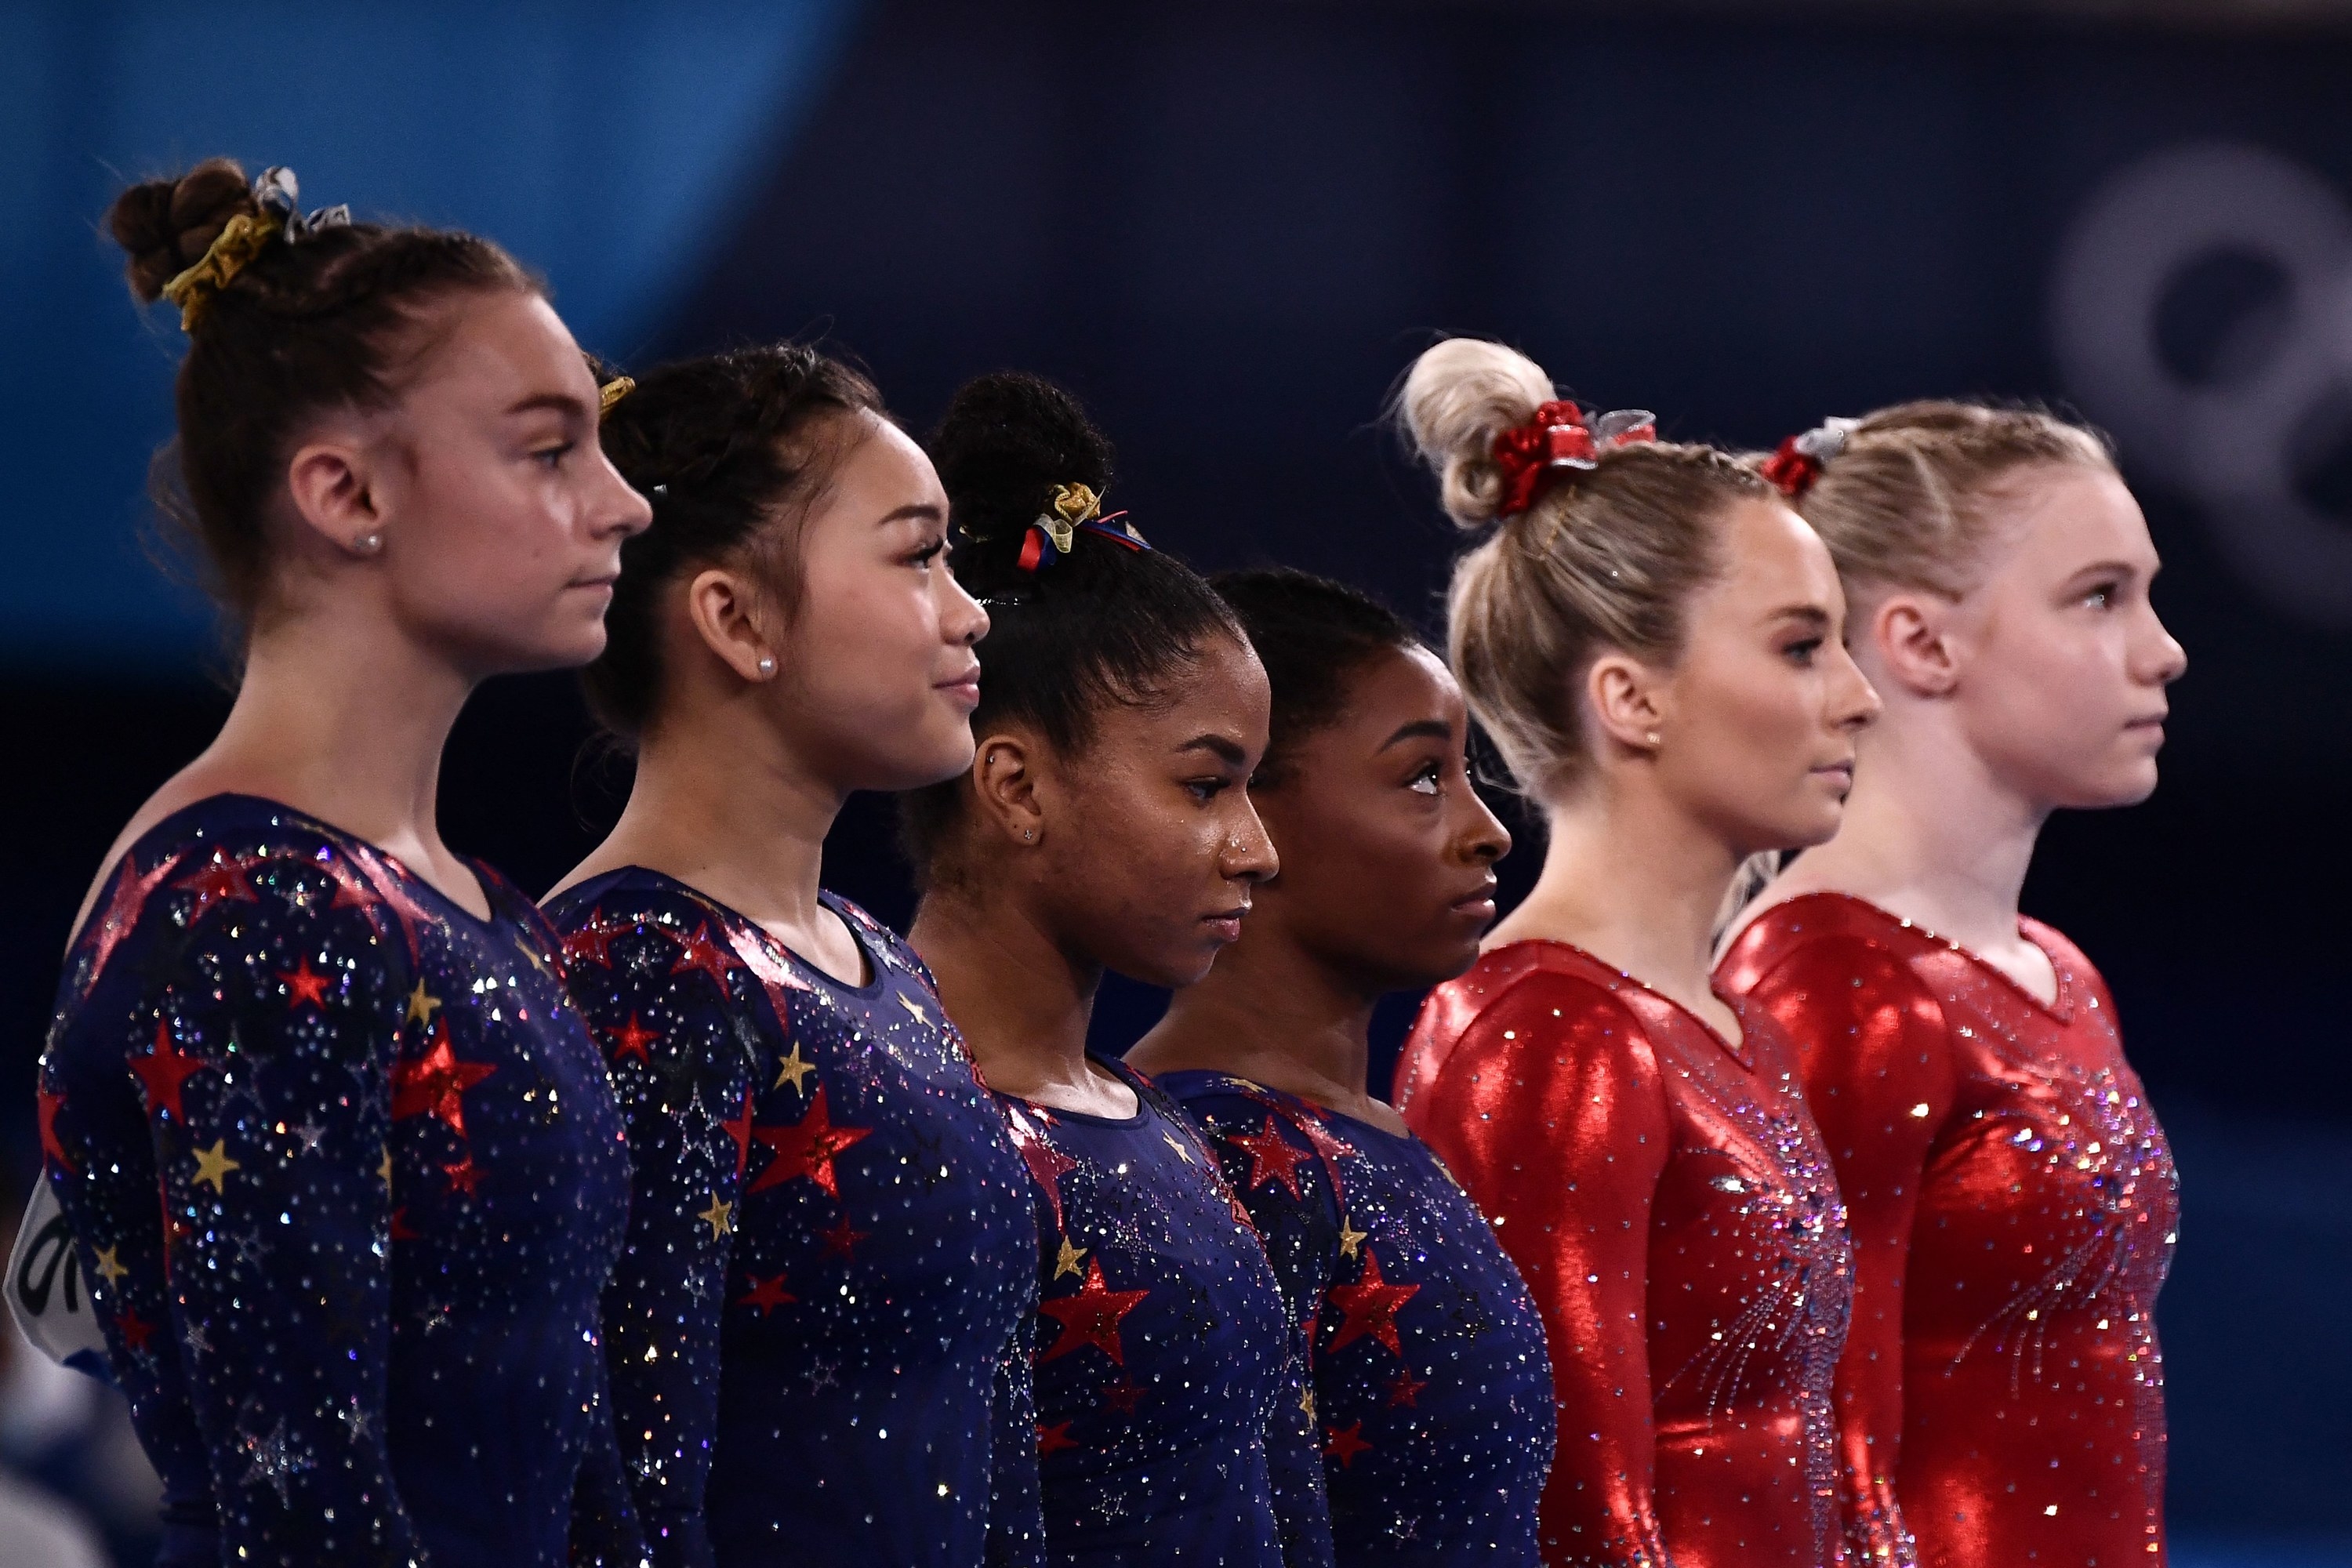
{"x":1016,"y":1519}
{"x":1871,"y":1052}
{"x":604,"y":1531}
{"x":268,"y":1091}
{"x":1293,"y":1462}
{"x":1549,"y":1110}
{"x":683,"y":1092}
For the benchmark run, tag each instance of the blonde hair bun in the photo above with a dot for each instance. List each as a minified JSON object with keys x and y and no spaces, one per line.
{"x":1459,"y":396}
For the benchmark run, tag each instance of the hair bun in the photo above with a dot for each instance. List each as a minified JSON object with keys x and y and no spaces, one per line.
{"x":166,"y":226}
{"x":1459,"y":396}
{"x":1007,"y":441}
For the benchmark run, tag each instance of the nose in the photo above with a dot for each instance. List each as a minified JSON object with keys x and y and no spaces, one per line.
{"x":1856,"y":702}
{"x":622,"y":509}
{"x":1482,"y":840}
{"x":1249,"y":855}
{"x":2166,"y":660}
{"x":966,"y":618}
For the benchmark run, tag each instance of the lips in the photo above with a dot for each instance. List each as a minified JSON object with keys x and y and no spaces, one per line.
{"x":964,"y":688}
{"x":1479,"y":901}
{"x":1226,"y":924}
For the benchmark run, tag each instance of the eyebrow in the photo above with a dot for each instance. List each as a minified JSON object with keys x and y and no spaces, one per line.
{"x":560,"y":401}
{"x":1224,"y":749}
{"x":1810,"y":614}
{"x":1419,"y":730}
{"x":919,"y":511}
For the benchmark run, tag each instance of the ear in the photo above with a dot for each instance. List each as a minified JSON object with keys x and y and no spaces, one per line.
{"x":726,"y":611}
{"x":335,"y":483}
{"x":1914,"y":637}
{"x":1626,"y":700}
{"x":1004,"y":778}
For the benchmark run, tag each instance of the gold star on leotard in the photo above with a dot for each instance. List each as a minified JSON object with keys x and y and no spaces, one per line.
{"x":385,"y":1170}
{"x":109,"y":1267}
{"x":719,"y":1216}
{"x":1067,"y":1262}
{"x":421,"y":1004}
{"x":1307,"y":1402}
{"x":214,"y":1164}
{"x":915,"y":1007}
{"x":1349,"y":1237}
{"x":795,"y":1067}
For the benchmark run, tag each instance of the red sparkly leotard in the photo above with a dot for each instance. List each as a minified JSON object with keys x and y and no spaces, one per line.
{"x":2013,"y":1207}
{"x":1673,"y":1212}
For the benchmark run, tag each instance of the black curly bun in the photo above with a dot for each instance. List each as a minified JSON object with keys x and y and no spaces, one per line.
{"x":1104,"y":625}
{"x":721,"y":447}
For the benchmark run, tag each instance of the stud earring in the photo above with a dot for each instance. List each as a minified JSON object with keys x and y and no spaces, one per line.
{"x":1028,"y":833}
{"x":369,"y":542}
{"x":767,"y":665}
{"x":1653,"y":737}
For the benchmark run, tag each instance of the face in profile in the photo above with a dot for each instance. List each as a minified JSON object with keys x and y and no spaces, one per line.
{"x":1759,"y":714}
{"x":1151,"y":848}
{"x":501,"y":519}
{"x":876,"y":671}
{"x":2061,"y":661}
{"x":1387,"y":851}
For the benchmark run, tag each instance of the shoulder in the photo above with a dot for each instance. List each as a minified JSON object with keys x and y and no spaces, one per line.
{"x":1543,"y":1005}
{"x":1547,"y":986}
{"x":1823,"y":937}
{"x":631,"y":896}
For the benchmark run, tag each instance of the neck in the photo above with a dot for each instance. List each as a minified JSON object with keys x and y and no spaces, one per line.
{"x":1633,"y":882}
{"x":722,"y":803}
{"x":1929,"y":835}
{"x":1274,"y":1014}
{"x":346,"y":726}
{"x":1021,"y":999}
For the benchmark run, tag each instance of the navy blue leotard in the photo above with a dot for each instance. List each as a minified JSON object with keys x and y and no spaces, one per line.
{"x":820,"y":1326}
{"x":346,"y":1180}
{"x":1172,"y":1425}
{"x":1433,"y":1393}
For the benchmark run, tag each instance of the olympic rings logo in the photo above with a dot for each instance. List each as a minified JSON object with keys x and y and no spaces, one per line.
{"x":2237,"y":432}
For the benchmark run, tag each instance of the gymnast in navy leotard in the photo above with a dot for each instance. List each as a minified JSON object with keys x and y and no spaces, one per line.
{"x":1433,"y":1393}
{"x":339,"y":1158}
{"x":1104,"y":824}
{"x":819,"y":1331}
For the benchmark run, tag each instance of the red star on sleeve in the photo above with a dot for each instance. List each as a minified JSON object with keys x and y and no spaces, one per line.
{"x":807,"y":1148}
{"x":122,"y":910}
{"x":435,"y":1083}
{"x":135,"y":1331}
{"x":50,"y":1148}
{"x":162,"y":1070}
{"x":740,"y":1129}
{"x":221,"y":878}
{"x":464,"y":1176}
{"x":1090,"y":1316}
{"x":1344,"y":1443}
{"x":1405,"y":1389}
{"x":592,"y":942}
{"x":698,"y":952}
{"x":1273,"y":1157}
{"x":631,"y":1040}
{"x":1371,"y":1305}
{"x":840,"y":1238}
{"x":765,"y":1294}
{"x":303,"y":985}
{"x":1054,"y":1438}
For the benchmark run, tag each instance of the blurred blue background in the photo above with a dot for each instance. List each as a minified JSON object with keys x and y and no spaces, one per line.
{"x":1230,"y":227}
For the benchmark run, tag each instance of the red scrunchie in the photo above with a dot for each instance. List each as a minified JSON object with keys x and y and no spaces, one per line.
{"x":1790,"y":470}
{"x":1554,"y":435}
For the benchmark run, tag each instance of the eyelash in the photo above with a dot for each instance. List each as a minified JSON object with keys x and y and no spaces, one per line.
{"x":927,"y":554}
{"x":1802,"y":652}
{"x":554,"y":456}
{"x":2103,"y":596}
{"x":1432,"y":776}
{"x":1206,"y":790}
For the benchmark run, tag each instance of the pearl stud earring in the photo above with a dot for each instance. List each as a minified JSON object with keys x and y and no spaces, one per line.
{"x":767,"y":665}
